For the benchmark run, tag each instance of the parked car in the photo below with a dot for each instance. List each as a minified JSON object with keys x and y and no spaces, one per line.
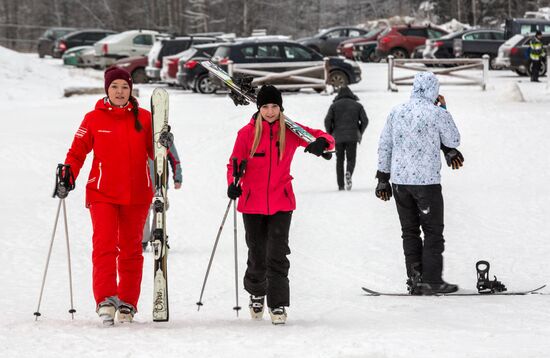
{"x":80,"y":56}
{"x":514,"y":54}
{"x":46,"y":42}
{"x":285,"y":55}
{"x":125,"y":44}
{"x":167,"y":47}
{"x":79,"y":38}
{"x":347,"y":47}
{"x":524,"y":26}
{"x":400,"y":41}
{"x":326,"y":42}
{"x":366,"y":51}
{"x":135,"y":65}
{"x":469,"y":43}
{"x":191,"y":75}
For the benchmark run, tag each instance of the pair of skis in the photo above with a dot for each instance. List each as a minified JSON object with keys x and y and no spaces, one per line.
{"x":162,"y":140}
{"x":243,"y":93}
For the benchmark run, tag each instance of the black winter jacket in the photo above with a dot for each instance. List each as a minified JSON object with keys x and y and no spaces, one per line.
{"x":346,"y":119}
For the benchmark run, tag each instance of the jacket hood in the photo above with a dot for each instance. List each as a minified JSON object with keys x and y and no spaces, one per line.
{"x":425,"y":86}
{"x":345,"y":92}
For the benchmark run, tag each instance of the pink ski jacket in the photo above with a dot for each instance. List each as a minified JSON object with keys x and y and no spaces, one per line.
{"x":266,"y":184}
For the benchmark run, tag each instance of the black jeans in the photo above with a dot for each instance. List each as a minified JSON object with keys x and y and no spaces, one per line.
{"x":267,"y":265}
{"x":422,"y":206}
{"x":535,"y":68}
{"x":345,"y":151}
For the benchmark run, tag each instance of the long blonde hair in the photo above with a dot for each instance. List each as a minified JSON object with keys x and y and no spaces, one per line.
{"x":258,"y":134}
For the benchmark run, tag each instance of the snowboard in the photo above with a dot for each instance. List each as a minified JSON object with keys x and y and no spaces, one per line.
{"x":458,"y":293}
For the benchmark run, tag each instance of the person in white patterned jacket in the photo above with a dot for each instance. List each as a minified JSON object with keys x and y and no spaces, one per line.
{"x":408,"y":155}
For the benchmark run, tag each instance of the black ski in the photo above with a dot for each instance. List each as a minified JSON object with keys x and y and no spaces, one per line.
{"x":505,"y":293}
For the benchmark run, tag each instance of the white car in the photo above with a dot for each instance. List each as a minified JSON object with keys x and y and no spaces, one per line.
{"x":125,"y":44}
{"x":503,"y":57}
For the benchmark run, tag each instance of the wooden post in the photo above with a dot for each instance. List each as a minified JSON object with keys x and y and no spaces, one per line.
{"x":486,"y":59}
{"x":390,"y":72}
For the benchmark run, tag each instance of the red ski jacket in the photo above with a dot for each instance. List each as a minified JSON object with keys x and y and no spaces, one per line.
{"x":266,"y":184}
{"x":120,"y":168}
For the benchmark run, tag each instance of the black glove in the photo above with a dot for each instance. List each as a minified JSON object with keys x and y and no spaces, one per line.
{"x":383,"y":189}
{"x":317,"y":147}
{"x":234,"y":191}
{"x":64,"y":181}
{"x":453,"y":157}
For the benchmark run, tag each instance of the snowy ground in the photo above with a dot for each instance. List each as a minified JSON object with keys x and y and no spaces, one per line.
{"x":496,"y":209}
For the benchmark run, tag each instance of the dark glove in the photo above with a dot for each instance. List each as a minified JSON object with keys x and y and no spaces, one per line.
{"x":234,"y":191}
{"x":166,"y":138}
{"x":453,"y":157}
{"x":383,"y":189}
{"x":64,"y":181}
{"x":317,"y":147}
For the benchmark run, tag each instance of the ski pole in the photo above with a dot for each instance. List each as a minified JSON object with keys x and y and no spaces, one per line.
{"x":71,"y":310}
{"x":64,"y":182}
{"x":240,"y":171}
{"x":37,"y":313}
{"x":199,"y":303}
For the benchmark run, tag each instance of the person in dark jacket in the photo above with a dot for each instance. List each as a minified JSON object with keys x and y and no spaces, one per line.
{"x":346,"y":121}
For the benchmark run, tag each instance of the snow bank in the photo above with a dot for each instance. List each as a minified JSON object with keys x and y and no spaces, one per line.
{"x":25,"y":75}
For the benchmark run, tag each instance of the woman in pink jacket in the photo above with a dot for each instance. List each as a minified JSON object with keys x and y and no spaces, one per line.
{"x":266,"y":199}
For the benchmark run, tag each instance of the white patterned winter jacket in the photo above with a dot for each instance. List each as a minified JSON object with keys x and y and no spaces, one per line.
{"x":409,"y":147}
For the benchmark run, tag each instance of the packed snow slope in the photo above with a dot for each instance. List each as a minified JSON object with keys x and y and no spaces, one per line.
{"x":496,"y":209}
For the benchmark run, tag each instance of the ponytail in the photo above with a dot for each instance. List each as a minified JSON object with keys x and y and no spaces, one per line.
{"x":135,"y":112}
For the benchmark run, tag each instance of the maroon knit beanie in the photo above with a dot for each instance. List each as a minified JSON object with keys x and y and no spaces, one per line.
{"x":116,"y":73}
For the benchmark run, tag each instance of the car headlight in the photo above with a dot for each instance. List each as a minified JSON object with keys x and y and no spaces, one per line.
{"x":347,"y":45}
{"x":124,"y":64}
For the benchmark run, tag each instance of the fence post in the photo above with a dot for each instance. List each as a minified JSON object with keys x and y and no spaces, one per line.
{"x":485,"y":59}
{"x":230,"y":68}
{"x":390,"y":72}
{"x":326,"y":72}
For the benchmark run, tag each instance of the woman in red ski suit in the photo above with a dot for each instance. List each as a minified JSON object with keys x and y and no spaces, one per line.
{"x":118,"y":192}
{"x":266,"y":200}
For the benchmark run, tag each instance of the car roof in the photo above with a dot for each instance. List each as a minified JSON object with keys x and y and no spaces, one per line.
{"x":342,"y":27}
{"x":258,"y":41}
{"x":88,"y":30}
{"x":210,"y":45}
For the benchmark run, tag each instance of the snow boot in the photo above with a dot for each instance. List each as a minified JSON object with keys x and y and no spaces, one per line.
{"x":278,"y":315}
{"x":438,"y":288}
{"x":415,"y":278}
{"x":126,"y":313}
{"x":106,"y":311}
{"x":256,"y":307}
{"x":348,"y":181}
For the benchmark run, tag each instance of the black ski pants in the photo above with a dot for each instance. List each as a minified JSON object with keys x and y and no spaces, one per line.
{"x":421,"y":206}
{"x":535,"y":68}
{"x":346,"y":151}
{"x":267,"y":265}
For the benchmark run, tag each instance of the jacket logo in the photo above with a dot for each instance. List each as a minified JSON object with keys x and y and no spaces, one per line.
{"x":103,"y":131}
{"x":80,"y":132}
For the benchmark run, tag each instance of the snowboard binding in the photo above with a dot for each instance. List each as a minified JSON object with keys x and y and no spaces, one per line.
{"x":484,"y":284}
{"x":245,"y":84}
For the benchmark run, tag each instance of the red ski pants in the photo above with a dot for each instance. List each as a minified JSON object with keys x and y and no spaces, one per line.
{"x":118,"y":230}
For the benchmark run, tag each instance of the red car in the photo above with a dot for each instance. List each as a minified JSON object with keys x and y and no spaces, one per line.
{"x":136,"y":66}
{"x":400,"y":41}
{"x":345,"y":48}
{"x":169,"y":69}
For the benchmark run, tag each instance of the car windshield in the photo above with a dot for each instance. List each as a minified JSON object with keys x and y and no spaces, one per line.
{"x":452,"y":35}
{"x":372,"y":33}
